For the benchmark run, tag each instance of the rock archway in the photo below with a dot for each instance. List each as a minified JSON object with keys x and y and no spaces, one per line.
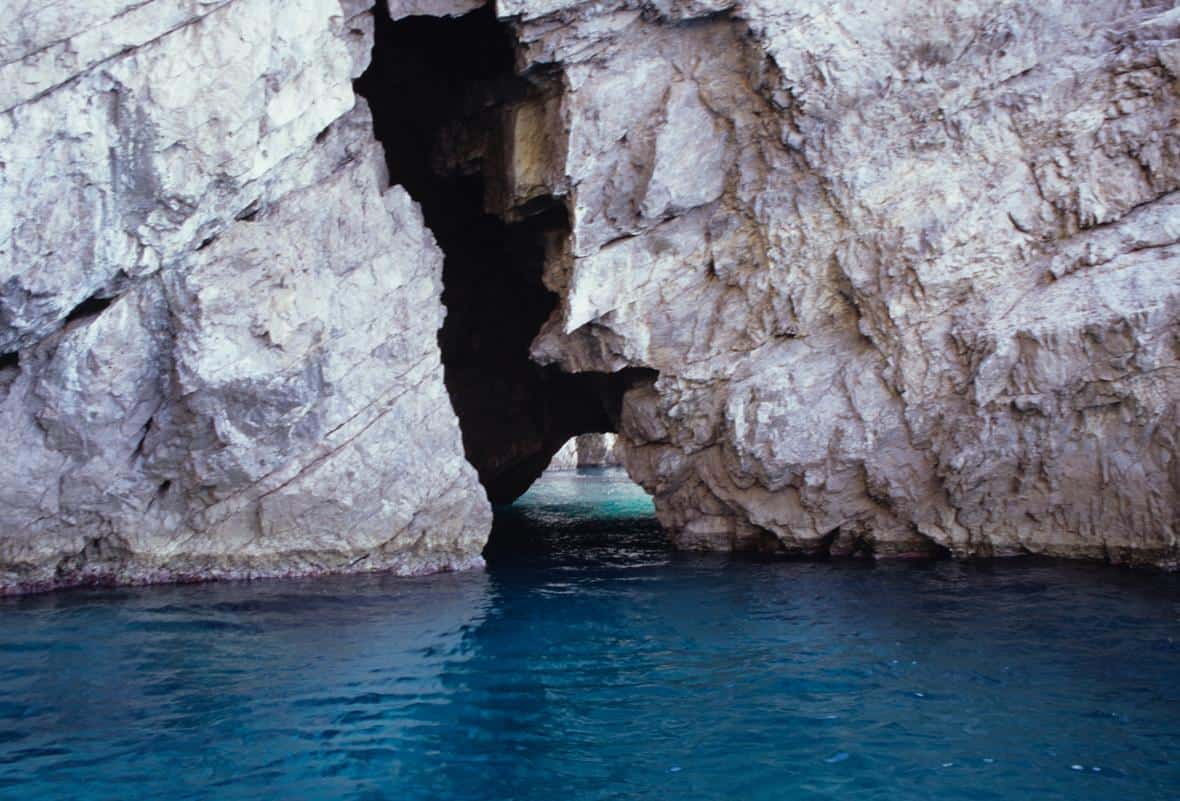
{"x":854,"y":357}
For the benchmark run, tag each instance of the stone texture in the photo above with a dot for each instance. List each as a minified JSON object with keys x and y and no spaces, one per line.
{"x":600,"y":450}
{"x":566,"y":458}
{"x":589,"y":450}
{"x":220,"y":322}
{"x":399,"y":9}
{"x":909,"y":273}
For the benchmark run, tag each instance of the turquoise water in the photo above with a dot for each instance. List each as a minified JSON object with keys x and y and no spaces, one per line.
{"x":589,"y":662}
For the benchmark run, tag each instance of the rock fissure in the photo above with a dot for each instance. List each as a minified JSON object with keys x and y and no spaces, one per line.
{"x":446,"y":102}
{"x":91,"y":307}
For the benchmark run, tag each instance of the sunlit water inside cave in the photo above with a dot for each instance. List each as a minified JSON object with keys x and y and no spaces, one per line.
{"x":591,"y":662}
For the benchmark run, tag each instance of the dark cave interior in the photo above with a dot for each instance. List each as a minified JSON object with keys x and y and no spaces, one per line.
{"x":440,"y":90}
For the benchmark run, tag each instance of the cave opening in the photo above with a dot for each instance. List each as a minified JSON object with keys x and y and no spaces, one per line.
{"x":442,"y":91}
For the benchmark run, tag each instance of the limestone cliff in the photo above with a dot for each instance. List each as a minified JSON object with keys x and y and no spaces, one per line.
{"x":909,"y":273}
{"x":218,"y":319}
{"x":850,"y":278}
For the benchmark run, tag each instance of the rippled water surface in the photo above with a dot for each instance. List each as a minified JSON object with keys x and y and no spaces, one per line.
{"x":588,"y":662}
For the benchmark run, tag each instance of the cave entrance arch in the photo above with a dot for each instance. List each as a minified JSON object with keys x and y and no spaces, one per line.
{"x":441,"y":90}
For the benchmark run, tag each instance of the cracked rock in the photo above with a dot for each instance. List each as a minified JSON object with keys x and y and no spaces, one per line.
{"x":856,"y":279}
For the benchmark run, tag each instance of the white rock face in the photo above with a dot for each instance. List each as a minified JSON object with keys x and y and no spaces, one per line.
{"x":254,"y":387}
{"x":567,"y":457}
{"x":910,"y":272}
{"x":600,"y":450}
{"x":589,"y":450}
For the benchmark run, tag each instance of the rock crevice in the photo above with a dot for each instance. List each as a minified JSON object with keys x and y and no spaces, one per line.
{"x":472,"y":140}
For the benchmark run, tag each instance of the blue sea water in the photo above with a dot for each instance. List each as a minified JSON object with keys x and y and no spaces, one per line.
{"x":590,"y":662}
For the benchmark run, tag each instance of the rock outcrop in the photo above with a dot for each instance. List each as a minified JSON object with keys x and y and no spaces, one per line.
{"x":219,"y":321}
{"x":588,"y":450}
{"x":863,"y":279}
{"x":566,"y":457}
{"x":599,"y":450}
{"x":909,"y":273}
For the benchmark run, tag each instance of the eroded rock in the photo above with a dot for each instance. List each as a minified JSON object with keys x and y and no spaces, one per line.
{"x":588,"y":450}
{"x":881,"y":281}
{"x":908,"y":275}
{"x":224,"y":320}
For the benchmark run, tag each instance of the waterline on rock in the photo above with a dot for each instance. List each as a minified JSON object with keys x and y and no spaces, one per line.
{"x":591,"y":657}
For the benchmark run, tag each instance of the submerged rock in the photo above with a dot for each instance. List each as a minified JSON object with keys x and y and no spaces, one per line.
{"x":908,"y":277}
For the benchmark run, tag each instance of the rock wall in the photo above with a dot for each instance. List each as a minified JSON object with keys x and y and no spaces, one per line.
{"x":566,"y":457}
{"x":908,"y":274}
{"x":588,"y":450}
{"x":218,"y":321}
{"x":600,"y":450}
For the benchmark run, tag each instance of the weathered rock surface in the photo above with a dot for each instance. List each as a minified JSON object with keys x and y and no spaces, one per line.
{"x":599,"y":450}
{"x":588,"y":450}
{"x":566,"y":458}
{"x":219,"y":321}
{"x":909,"y":275}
